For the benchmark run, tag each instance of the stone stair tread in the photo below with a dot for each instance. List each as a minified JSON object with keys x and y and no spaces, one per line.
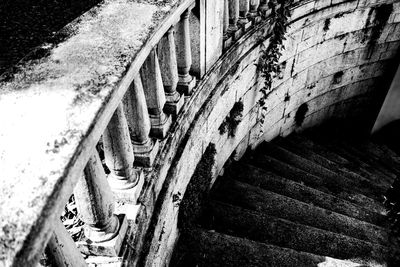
{"x":376,"y":191}
{"x":391,"y":154}
{"x":384,"y":155}
{"x":209,"y":248}
{"x":349,"y":153}
{"x":237,"y":221}
{"x":365,"y":155}
{"x":291,"y":144}
{"x":267,"y":180}
{"x":326,"y":185}
{"x":323,"y":151}
{"x":264,"y":201}
{"x":313,"y":199}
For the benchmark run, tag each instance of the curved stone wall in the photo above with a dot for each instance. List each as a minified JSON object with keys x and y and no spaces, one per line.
{"x":338,"y":63}
{"x":336,"y":56}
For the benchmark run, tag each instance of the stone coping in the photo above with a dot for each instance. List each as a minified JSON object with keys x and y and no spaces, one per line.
{"x":54,"y":107}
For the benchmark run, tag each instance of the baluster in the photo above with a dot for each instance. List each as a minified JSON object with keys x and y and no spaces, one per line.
{"x":253,"y":15}
{"x":155,"y":96}
{"x":233,"y":19}
{"x":144,"y":147}
{"x":243,"y":13}
{"x":61,"y":249}
{"x":184,"y":55}
{"x":169,"y":72}
{"x":118,"y":152}
{"x":263,"y":7}
{"x":227,"y":39}
{"x":95,"y":203}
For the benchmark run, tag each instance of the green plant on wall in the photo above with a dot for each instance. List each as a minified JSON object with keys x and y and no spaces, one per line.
{"x":232,"y":120}
{"x":269,"y":59}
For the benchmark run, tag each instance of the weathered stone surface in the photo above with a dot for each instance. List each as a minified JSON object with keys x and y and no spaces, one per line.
{"x":62,"y":250}
{"x":297,"y":190}
{"x":118,"y":152}
{"x":64,"y":100}
{"x":82,"y":102}
{"x":226,"y":219}
{"x":264,"y":201}
{"x":209,"y":248}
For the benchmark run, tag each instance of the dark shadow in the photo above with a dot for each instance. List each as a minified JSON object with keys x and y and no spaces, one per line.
{"x":25,"y":24}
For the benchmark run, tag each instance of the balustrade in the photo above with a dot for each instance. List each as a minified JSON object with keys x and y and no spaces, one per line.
{"x":244,"y":7}
{"x":233,"y":28}
{"x":95,"y":203}
{"x":119,"y":152}
{"x":253,"y":13}
{"x":61,"y":249}
{"x":154,"y":92}
{"x":263,"y":8}
{"x":184,"y":55}
{"x":169,"y":66}
{"x":155,"y":96}
{"x":227,"y":39}
{"x":145,"y":148}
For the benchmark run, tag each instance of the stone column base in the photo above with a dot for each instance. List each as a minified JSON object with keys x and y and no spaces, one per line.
{"x":255,"y":19}
{"x":174,"y":106}
{"x":227,"y":43}
{"x":109,"y":248}
{"x":145,"y":154}
{"x":186,"y":87}
{"x":160,"y":126}
{"x":128,"y":181}
{"x":130,"y":195}
{"x":236,"y":34}
{"x":245,"y":25}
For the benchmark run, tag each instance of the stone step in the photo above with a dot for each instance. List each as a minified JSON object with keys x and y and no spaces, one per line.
{"x":267,"y":202}
{"x":365,"y":157}
{"x":295,"y":147}
{"x":385,"y":156}
{"x":277,"y":184}
{"x":348,"y":153}
{"x":376,"y":192}
{"x":202,"y":248}
{"x":386,"y":151}
{"x":326,"y":185}
{"x":318,"y":149}
{"x":236,"y":221}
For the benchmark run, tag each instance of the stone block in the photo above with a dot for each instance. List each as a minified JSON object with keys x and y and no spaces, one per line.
{"x":303,"y":10}
{"x":186,"y":88}
{"x":159,"y":129}
{"x":256,"y":19}
{"x":109,"y":248}
{"x":246,"y":26}
{"x":145,"y":154}
{"x":237,"y":34}
{"x":320,"y":4}
{"x":173,"y":108}
{"x":227,"y":43}
{"x":130,"y":195}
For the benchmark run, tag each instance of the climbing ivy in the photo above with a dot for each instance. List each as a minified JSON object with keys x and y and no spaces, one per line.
{"x":269,"y":59}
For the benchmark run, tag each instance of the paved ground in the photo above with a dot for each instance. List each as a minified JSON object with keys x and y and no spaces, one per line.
{"x":25,"y":24}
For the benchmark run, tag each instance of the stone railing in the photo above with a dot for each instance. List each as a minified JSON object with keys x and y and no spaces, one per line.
{"x":86,"y":113}
{"x":119,"y":106}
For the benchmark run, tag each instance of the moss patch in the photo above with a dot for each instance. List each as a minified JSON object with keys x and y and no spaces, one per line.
{"x":232,"y":120}
{"x":301,"y":114}
{"x":197,"y":191}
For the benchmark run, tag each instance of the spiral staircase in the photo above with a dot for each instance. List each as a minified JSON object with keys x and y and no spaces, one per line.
{"x":311,"y":199}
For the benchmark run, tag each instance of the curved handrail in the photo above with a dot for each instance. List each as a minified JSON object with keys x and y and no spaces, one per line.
{"x":55,"y":108}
